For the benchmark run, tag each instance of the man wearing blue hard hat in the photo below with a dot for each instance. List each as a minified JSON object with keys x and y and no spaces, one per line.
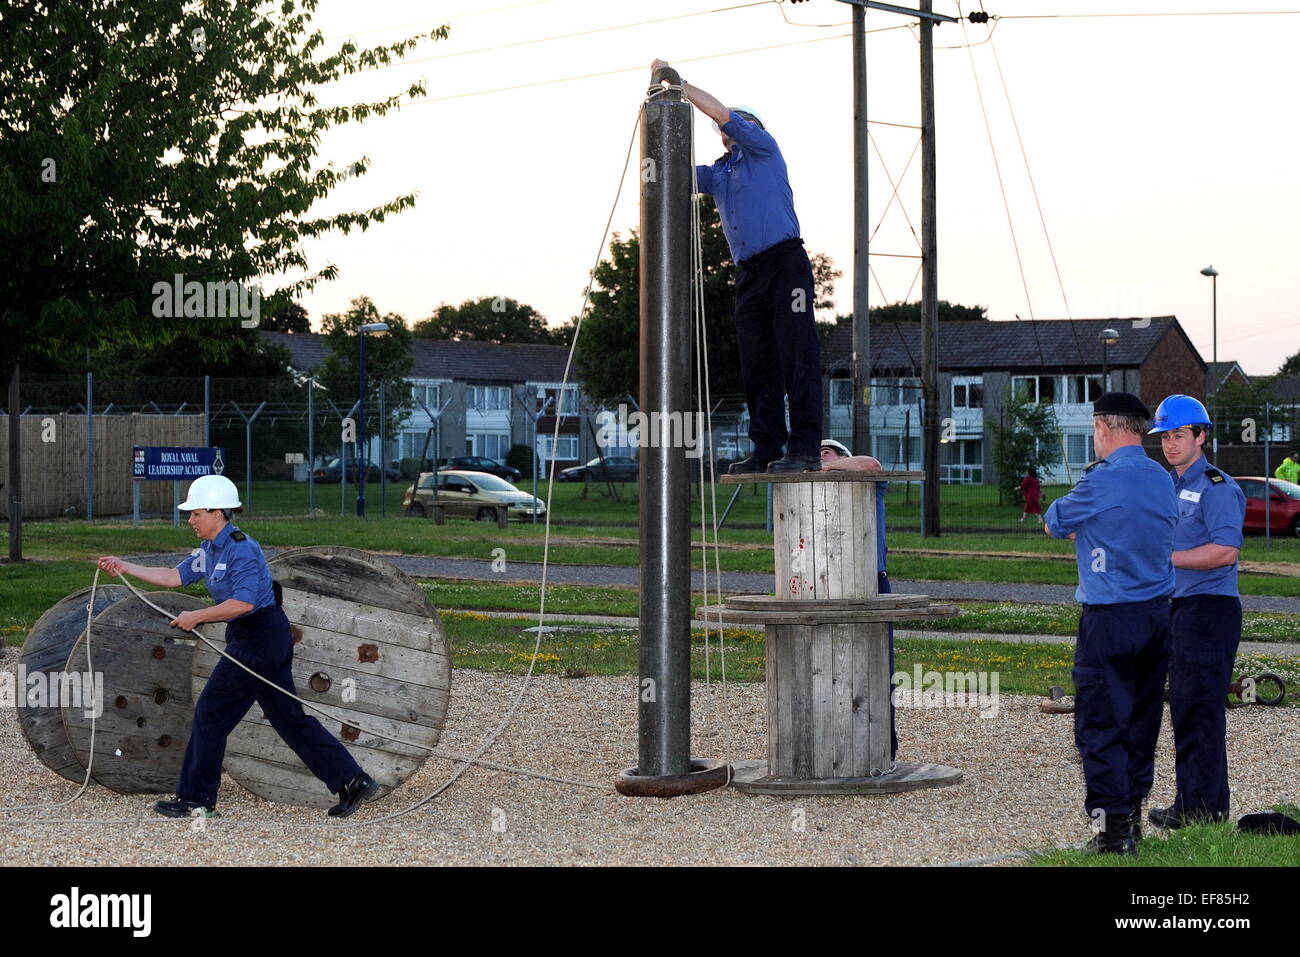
{"x":1121,"y":517}
{"x":1205,"y":614}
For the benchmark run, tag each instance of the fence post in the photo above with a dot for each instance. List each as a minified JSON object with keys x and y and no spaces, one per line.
{"x":90,"y":446}
{"x":311,"y":445}
{"x":207,"y":407}
{"x":1268,"y":492}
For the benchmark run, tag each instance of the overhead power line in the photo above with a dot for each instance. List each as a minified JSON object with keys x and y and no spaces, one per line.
{"x":1182,"y":13}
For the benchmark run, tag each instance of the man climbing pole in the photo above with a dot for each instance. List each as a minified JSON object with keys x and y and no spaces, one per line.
{"x":775,"y":328}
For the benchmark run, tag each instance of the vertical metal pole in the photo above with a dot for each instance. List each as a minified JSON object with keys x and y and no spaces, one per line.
{"x":1268,"y":492}
{"x":1214,"y":379}
{"x":176,"y":504}
{"x":861,"y":362}
{"x":929,"y":283}
{"x":207,"y":405}
{"x":90,"y":446}
{"x":311,"y":445}
{"x":665,"y":707}
{"x":536,"y":461}
{"x":361,"y":429}
{"x":135,"y":503}
{"x":248,"y":463}
{"x":383,"y":459}
{"x":15,"y":469}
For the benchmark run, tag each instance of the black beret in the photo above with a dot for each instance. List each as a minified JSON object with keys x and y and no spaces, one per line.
{"x":1120,"y":403}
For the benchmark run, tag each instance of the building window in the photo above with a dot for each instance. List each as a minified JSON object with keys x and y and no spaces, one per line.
{"x":566,"y":450}
{"x":492,"y":445}
{"x":1079,"y":447}
{"x":841,"y":393}
{"x":488,"y":398}
{"x":430,"y":395}
{"x":1034,"y":388}
{"x":895,"y":391}
{"x":1082,"y":388}
{"x":967,"y":393}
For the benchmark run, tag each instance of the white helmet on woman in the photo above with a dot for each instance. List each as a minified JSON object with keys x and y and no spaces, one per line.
{"x":211,"y":491}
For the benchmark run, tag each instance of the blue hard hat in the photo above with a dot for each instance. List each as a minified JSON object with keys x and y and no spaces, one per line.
{"x":1179,"y":411}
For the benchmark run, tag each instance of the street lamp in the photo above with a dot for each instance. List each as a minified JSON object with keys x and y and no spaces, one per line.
{"x":1107,"y":337}
{"x":365,"y":330}
{"x":1214,"y":361}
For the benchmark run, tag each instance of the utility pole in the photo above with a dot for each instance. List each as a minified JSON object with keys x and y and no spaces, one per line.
{"x":929,"y":284}
{"x":15,"y":479}
{"x":929,"y":251}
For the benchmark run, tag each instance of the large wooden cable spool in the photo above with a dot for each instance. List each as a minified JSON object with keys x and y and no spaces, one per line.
{"x":45,"y":653}
{"x":370,"y":647}
{"x":140,"y":737}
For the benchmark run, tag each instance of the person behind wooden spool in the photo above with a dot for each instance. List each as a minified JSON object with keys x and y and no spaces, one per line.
{"x":257,"y":634}
{"x":836,"y":456}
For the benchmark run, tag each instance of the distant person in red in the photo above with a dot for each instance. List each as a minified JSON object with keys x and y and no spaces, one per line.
{"x":1032,"y":490}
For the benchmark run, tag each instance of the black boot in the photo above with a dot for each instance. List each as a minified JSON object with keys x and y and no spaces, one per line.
{"x":1171,"y":819}
{"x":755,"y":463}
{"x":1115,"y":838}
{"x":796,"y":463}
{"x":183,"y":808}
{"x":1135,"y":825}
{"x":359,"y":789}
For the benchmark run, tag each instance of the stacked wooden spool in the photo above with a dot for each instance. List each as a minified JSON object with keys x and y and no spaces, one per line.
{"x":368,"y":645}
{"x":827,"y":642}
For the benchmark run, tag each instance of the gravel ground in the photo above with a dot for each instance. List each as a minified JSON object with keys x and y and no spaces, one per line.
{"x":1021,"y":791}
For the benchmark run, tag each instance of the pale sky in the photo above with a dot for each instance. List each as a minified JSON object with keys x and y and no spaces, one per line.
{"x":1157,"y":145}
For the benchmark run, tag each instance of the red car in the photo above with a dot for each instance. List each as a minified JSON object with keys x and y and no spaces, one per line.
{"x":1284,"y":508}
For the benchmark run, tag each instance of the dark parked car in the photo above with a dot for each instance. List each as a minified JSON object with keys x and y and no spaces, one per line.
{"x":330,"y":472}
{"x":616,"y":468}
{"x":1284,"y":506}
{"x":479,"y":463}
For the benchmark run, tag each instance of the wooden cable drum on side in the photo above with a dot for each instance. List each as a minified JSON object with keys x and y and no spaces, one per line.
{"x":45,"y":652}
{"x":370,"y":648}
{"x":141,"y":735}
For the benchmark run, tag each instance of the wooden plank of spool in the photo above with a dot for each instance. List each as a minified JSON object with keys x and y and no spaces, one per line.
{"x":141,"y":735}
{"x":45,"y":653}
{"x":814,"y":614}
{"x":773,"y":603}
{"x":822,"y":475}
{"x":371,"y":649}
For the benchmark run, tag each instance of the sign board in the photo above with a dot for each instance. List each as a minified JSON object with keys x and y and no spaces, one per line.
{"x":151,"y":462}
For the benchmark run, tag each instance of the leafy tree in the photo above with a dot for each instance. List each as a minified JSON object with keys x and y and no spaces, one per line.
{"x":607,"y":355}
{"x":1024,"y":438}
{"x":388,"y":361}
{"x":144,"y":139}
{"x":911,"y":312}
{"x":290,"y":317}
{"x":489,"y":319}
{"x":1290,"y":367}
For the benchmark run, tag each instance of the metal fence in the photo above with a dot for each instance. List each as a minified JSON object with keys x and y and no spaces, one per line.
{"x":292,"y":448}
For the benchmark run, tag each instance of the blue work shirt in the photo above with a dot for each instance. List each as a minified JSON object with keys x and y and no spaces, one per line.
{"x":1123,"y":512}
{"x":232,"y":569}
{"x":752,"y":190}
{"x":1211,"y":509}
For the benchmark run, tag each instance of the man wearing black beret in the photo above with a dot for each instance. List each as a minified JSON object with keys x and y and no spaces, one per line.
{"x":1121,"y":516}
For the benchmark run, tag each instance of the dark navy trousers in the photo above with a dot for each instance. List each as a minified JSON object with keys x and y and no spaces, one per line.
{"x":779,"y":352}
{"x":886,"y":589}
{"x":1120,"y":662}
{"x":262,"y":641}
{"x":1206,"y":631}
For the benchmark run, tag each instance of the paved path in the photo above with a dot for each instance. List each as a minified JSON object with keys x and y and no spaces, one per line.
{"x":755,"y":583}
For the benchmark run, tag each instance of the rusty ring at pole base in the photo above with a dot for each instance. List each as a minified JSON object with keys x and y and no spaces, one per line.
{"x":703,"y":776}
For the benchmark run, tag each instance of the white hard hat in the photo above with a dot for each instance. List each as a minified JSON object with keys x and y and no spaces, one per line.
{"x":211,"y":491}
{"x":747,"y":112}
{"x":839,"y":447}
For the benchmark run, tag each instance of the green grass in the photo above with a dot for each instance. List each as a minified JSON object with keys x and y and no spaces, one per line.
{"x":1202,"y":845}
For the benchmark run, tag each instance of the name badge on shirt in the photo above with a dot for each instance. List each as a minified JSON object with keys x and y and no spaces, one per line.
{"x":1190,"y":496}
{"x":221,"y":566}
